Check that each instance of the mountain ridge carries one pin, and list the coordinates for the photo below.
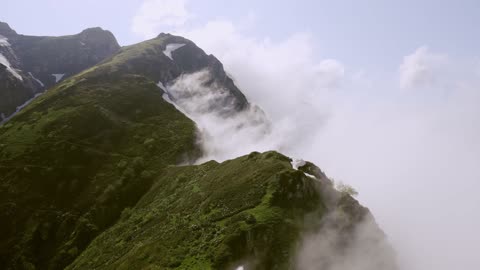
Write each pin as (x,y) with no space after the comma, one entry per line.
(98,169)
(35,63)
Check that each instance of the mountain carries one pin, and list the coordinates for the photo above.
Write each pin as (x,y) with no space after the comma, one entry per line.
(249,212)
(165,59)
(31,64)
(99,173)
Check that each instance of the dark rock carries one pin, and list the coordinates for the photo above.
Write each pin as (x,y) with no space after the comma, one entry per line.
(6,31)
(36,58)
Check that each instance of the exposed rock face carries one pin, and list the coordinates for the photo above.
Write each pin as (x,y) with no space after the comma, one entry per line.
(6,31)
(190,59)
(165,58)
(30,62)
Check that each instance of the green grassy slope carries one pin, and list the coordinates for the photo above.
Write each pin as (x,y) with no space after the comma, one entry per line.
(246,211)
(89,179)
(74,158)
(79,154)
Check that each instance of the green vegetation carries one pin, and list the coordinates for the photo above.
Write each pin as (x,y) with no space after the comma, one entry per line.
(346,189)
(76,157)
(212,216)
(89,179)
(343,188)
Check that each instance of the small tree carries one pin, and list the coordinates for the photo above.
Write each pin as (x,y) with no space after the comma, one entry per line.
(346,189)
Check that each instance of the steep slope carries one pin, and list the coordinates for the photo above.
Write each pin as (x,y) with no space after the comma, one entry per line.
(74,158)
(251,212)
(166,58)
(89,147)
(97,155)
(31,64)
(211,216)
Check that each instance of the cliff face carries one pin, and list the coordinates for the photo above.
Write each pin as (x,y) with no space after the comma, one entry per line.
(166,58)
(90,175)
(29,64)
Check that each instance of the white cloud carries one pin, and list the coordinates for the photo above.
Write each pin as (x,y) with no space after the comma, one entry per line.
(405,152)
(412,155)
(284,69)
(220,136)
(331,72)
(155,16)
(367,249)
(422,68)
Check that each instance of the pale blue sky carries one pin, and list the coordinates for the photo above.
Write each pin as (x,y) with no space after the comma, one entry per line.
(371,33)
(390,88)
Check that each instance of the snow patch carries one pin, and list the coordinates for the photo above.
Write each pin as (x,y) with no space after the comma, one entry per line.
(160,84)
(4,61)
(4,41)
(296,163)
(26,103)
(82,43)
(19,108)
(37,80)
(240,268)
(171,48)
(166,97)
(58,77)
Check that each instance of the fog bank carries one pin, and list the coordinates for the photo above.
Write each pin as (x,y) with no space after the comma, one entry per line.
(408,142)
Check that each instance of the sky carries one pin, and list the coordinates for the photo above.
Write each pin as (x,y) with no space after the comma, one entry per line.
(382,95)
(361,33)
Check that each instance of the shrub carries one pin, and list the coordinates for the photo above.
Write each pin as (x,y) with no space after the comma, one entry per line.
(346,189)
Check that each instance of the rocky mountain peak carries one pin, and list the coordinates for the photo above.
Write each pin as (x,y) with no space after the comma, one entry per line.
(169,58)
(35,63)
(98,34)
(93,30)
(6,30)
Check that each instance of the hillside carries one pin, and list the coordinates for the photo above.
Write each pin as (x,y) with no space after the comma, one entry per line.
(74,159)
(249,212)
(97,173)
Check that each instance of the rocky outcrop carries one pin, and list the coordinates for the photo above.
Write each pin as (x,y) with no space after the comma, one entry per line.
(6,31)
(190,59)
(31,64)
(166,58)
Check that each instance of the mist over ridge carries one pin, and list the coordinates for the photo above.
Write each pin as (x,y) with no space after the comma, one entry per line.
(310,135)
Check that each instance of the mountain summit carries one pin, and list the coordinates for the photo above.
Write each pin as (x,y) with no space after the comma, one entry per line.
(99,172)
(29,64)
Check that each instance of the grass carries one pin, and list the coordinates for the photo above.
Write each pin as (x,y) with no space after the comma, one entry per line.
(241,210)
(75,158)
(89,179)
